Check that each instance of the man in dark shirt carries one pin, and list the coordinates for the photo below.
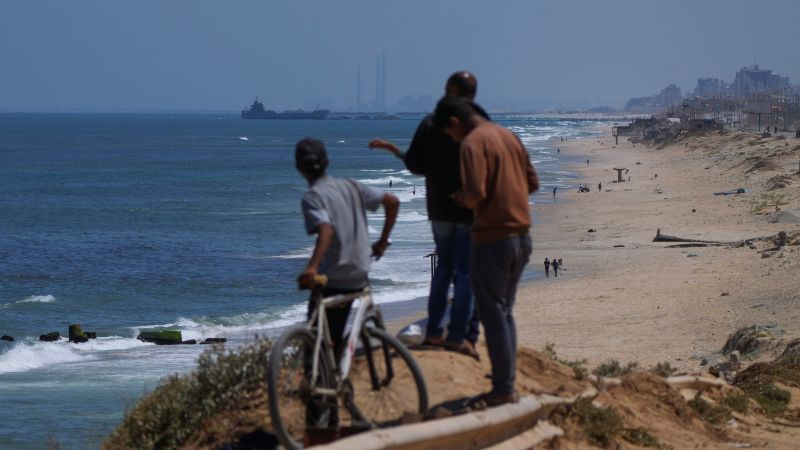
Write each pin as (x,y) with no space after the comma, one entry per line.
(435,155)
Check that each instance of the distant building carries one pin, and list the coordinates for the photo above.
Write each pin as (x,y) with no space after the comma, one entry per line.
(669,96)
(707,87)
(750,80)
(641,104)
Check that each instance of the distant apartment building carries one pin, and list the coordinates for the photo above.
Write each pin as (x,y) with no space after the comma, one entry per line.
(750,80)
(669,96)
(708,86)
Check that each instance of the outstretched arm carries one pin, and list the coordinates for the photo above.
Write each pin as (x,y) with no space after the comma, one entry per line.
(386,145)
(391,205)
(324,239)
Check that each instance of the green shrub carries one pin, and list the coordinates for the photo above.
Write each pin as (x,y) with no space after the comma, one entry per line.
(612,368)
(642,437)
(736,401)
(714,414)
(602,425)
(178,407)
(663,370)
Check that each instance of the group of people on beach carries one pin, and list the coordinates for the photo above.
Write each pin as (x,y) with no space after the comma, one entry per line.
(478,177)
(555,264)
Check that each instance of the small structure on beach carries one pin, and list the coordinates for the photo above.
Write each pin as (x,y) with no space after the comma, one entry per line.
(619,174)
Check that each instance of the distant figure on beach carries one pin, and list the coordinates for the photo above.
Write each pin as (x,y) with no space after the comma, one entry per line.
(435,155)
(600,186)
(554,192)
(558,150)
(498,178)
(414,190)
(776,130)
(546,268)
(555,267)
(390,183)
(587,162)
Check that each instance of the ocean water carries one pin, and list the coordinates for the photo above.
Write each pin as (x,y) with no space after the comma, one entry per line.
(122,222)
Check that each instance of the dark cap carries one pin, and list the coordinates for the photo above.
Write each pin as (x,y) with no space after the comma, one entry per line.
(310,155)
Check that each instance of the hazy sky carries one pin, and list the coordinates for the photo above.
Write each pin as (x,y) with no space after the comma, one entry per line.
(216,55)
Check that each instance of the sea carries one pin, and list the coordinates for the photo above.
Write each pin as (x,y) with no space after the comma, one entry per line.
(127,222)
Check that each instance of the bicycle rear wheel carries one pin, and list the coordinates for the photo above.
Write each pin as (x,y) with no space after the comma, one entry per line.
(386,381)
(291,405)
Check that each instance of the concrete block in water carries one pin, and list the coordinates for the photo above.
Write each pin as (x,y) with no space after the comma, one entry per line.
(216,340)
(161,337)
(50,337)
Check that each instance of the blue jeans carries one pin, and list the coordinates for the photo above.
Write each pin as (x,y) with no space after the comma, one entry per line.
(453,242)
(496,268)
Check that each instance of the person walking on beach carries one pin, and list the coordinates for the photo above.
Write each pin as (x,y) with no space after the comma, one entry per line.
(546,268)
(555,267)
(497,178)
(435,155)
(600,186)
(334,209)
(554,193)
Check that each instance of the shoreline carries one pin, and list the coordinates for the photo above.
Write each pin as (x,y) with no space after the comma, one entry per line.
(625,297)
(620,295)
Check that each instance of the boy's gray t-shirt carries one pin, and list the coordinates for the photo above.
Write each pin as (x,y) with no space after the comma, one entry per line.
(342,203)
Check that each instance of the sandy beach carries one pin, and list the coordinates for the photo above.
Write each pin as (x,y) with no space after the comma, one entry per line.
(619,294)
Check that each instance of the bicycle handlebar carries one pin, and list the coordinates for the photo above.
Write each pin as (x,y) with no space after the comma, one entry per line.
(319,281)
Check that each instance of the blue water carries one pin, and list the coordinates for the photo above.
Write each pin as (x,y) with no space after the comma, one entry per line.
(123,222)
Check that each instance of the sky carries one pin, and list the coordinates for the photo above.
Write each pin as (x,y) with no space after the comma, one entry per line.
(209,55)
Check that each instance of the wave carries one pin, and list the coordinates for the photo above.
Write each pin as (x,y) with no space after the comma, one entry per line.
(412,216)
(237,325)
(31,299)
(302,253)
(31,354)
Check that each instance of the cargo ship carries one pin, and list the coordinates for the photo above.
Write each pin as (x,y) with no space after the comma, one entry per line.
(257,111)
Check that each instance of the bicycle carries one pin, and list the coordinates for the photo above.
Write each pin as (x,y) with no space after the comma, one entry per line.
(377,388)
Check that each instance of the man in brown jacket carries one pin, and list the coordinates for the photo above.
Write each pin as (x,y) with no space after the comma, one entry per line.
(496,179)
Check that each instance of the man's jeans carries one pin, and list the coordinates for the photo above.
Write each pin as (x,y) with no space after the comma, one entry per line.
(452,248)
(496,268)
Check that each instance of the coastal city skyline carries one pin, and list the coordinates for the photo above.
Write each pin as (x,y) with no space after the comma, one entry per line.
(195,56)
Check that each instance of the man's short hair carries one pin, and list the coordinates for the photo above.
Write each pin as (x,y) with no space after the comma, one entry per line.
(451,106)
(465,83)
(310,156)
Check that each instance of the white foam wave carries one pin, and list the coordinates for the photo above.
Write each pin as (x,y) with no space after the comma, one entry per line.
(29,355)
(241,325)
(412,216)
(302,253)
(394,295)
(31,299)
(38,299)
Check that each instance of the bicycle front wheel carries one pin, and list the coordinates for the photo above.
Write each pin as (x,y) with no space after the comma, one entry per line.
(292,406)
(386,381)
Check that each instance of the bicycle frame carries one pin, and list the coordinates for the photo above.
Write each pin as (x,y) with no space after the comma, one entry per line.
(365,311)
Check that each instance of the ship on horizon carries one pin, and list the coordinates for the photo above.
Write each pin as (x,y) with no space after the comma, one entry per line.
(257,111)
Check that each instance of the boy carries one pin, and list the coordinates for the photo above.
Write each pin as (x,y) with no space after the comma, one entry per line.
(335,210)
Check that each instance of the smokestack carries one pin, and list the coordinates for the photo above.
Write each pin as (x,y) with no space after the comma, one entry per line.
(358,87)
(377,82)
(383,80)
